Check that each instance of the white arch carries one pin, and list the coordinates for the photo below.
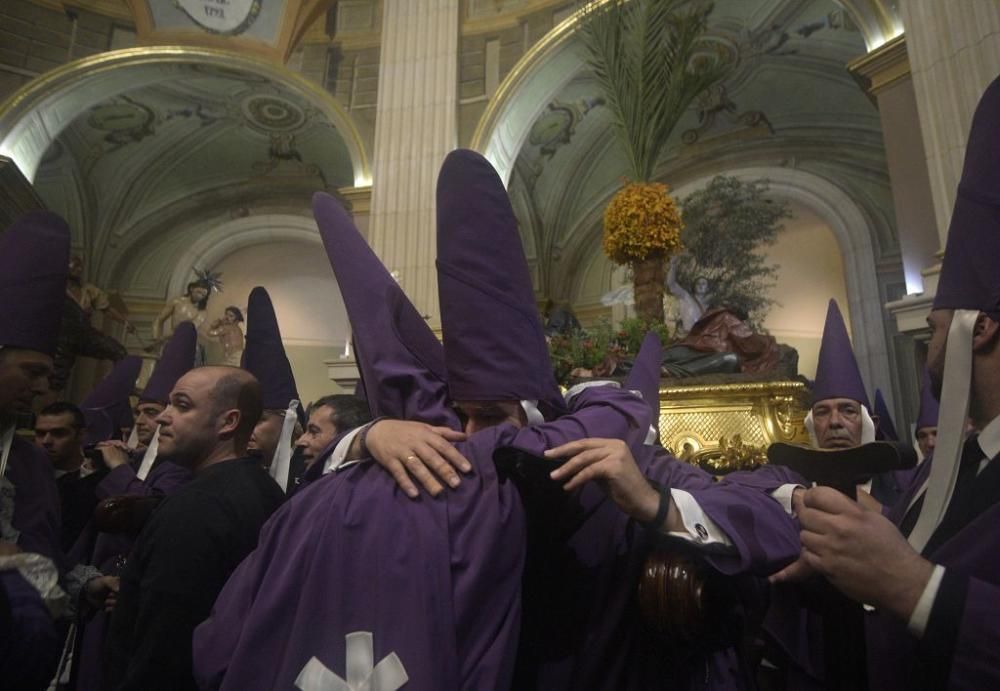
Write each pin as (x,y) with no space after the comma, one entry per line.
(854,236)
(225,238)
(33,117)
(556,59)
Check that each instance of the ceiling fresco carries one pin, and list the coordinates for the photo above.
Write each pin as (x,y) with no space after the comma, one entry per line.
(789,102)
(222,136)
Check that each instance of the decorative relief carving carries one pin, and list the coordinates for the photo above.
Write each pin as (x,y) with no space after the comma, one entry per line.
(729,427)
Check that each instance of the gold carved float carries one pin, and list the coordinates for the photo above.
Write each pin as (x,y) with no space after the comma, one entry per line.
(728,426)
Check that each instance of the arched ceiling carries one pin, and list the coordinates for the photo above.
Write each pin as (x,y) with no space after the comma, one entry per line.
(207,142)
(790,102)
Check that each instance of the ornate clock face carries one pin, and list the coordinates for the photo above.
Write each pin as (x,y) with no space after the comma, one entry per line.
(221,16)
(551,127)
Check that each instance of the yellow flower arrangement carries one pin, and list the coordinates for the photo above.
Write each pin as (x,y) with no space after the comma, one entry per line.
(642,221)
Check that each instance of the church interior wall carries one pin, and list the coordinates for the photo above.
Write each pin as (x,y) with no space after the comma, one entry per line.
(311,315)
(830,131)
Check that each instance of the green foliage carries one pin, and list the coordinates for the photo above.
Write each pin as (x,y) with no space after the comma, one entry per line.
(726,225)
(631,331)
(582,348)
(592,347)
(650,61)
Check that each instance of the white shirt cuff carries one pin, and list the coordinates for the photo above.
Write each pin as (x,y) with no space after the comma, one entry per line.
(336,458)
(922,612)
(577,389)
(783,495)
(698,526)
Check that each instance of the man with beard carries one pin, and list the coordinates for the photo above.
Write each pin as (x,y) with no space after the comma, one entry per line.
(198,535)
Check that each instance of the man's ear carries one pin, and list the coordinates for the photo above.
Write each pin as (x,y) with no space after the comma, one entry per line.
(985,334)
(229,422)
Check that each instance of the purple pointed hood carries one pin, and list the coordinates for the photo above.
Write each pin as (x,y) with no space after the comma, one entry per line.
(493,339)
(644,376)
(928,414)
(264,355)
(34,262)
(400,361)
(969,277)
(837,372)
(107,408)
(886,430)
(177,358)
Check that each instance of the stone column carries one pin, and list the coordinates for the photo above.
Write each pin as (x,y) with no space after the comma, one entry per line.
(885,75)
(954,51)
(415,128)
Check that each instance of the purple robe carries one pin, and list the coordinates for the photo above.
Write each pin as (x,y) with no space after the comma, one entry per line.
(960,648)
(105,551)
(583,629)
(36,501)
(436,581)
(29,643)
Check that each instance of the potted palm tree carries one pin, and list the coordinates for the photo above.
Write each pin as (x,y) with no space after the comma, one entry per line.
(650,61)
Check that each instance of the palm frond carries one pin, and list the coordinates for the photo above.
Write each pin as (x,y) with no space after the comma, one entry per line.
(650,60)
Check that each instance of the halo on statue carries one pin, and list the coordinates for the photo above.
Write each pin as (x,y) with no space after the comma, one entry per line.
(210,279)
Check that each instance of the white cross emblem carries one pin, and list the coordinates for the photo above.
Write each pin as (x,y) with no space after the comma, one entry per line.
(362,673)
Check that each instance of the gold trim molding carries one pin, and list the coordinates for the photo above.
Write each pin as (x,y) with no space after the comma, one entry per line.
(537,54)
(41,92)
(723,427)
(360,198)
(882,68)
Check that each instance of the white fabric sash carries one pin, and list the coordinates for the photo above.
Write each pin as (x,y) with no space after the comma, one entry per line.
(149,456)
(281,464)
(954,411)
(133,439)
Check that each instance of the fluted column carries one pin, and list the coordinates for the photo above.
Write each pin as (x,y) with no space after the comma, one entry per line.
(954,50)
(415,128)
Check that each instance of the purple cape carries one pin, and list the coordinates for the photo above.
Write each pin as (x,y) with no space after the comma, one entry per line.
(36,501)
(971,559)
(105,551)
(583,629)
(436,581)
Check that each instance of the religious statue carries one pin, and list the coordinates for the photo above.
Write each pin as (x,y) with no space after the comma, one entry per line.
(230,336)
(692,307)
(77,335)
(189,307)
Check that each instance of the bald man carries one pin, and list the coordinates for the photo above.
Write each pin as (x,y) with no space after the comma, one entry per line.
(197,536)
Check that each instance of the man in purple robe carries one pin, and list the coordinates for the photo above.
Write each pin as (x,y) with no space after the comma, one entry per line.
(34,255)
(931,569)
(354,580)
(280,424)
(588,540)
